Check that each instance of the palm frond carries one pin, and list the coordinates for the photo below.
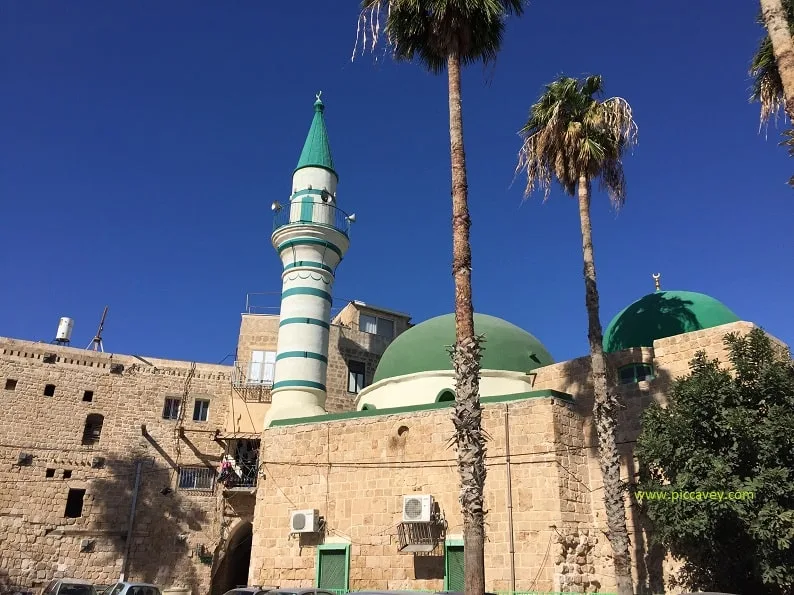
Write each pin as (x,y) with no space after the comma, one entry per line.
(569,133)
(432,30)
(767,86)
(789,143)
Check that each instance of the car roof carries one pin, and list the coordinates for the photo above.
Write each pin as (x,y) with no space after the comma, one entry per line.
(75,581)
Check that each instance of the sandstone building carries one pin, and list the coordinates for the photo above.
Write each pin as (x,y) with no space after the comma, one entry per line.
(320,457)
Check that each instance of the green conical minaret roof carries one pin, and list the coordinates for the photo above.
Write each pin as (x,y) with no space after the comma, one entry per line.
(316,150)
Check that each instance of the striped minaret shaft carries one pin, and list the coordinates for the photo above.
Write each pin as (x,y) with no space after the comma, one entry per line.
(311,238)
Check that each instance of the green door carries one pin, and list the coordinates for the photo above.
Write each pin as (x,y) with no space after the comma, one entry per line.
(307,209)
(454,578)
(332,570)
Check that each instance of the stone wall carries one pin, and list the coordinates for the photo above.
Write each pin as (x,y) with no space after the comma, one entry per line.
(355,472)
(345,343)
(37,540)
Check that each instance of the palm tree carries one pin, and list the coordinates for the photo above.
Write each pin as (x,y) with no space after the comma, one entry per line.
(572,136)
(775,16)
(450,34)
(767,84)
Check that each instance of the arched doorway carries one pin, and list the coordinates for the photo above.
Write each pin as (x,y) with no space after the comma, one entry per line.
(232,568)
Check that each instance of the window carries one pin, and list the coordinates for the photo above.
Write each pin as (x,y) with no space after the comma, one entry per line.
(49,473)
(454,566)
(67,473)
(634,373)
(262,367)
(196,478)
(171,408)
(355,376)
(200,410)
(92,429)
(88,396)
(49,390)
(375,325)
(11,384)
(333,566)
(445,396)
(74,504)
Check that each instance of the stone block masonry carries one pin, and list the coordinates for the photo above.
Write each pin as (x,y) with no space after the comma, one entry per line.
(66,491)
(356,471)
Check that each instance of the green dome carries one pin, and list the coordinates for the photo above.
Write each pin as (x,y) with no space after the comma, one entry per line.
(664,314)
(423,348)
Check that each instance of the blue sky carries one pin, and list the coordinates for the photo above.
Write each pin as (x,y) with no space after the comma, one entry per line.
(143,142)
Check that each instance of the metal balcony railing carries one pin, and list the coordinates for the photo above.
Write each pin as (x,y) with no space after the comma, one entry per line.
(318,213)
(241,474)
(253,381)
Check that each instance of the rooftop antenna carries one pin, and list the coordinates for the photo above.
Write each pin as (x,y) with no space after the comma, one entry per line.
(96,342)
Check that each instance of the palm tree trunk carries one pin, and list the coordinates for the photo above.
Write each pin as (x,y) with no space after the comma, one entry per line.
(777,26)
(467,416)
(605,407)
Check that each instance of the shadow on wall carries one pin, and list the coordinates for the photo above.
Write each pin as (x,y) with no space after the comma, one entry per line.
(655,315)
(161,536)
(633,400)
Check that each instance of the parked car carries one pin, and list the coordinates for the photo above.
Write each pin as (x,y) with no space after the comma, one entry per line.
(302,591)
(250,590)
(69,586)
(133,589)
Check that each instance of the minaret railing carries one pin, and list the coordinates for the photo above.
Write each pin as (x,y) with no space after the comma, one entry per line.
(313,213)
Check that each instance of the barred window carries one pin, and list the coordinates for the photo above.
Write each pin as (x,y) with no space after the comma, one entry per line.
(196,478)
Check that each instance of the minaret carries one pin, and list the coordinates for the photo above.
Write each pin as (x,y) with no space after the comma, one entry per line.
(311,237)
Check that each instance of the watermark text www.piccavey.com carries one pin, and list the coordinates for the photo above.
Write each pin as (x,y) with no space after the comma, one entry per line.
(686,496)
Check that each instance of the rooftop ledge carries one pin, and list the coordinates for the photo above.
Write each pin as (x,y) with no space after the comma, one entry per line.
(535,394)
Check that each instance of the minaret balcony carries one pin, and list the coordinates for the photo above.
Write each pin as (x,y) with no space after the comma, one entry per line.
(318,213)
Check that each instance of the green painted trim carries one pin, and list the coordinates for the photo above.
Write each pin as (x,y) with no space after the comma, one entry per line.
(308,242)
(332,547)
(450,543)
(297,384)
(635,366)
(307,211)
(309,263)
(443,392)
(316,321)
(307,192)
(308,291)
(304,354)
(535,394)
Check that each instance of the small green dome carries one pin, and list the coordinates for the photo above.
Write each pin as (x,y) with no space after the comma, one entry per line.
(664,314)
(423,348)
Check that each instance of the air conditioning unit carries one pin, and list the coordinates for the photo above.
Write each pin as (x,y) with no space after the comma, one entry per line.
(417,508)
(304,521)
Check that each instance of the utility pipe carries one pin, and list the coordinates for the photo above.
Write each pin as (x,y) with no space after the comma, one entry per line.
(128,544)
(510,502)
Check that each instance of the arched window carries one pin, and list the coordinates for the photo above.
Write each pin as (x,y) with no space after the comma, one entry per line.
(445,396)
(634,373)
(93,428)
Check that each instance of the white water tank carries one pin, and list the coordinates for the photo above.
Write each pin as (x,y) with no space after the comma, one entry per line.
(65,326)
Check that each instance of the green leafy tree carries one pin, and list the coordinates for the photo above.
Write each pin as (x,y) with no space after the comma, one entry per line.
(726,431)
(577,139)
(447,35)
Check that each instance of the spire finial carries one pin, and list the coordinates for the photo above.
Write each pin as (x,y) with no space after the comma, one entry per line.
(318,96)
(318,105)
(656,277)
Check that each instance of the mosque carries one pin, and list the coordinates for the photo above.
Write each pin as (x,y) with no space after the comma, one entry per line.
(322,456)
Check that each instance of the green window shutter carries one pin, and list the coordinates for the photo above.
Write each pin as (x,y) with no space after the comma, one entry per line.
(332,571)
(455,562)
